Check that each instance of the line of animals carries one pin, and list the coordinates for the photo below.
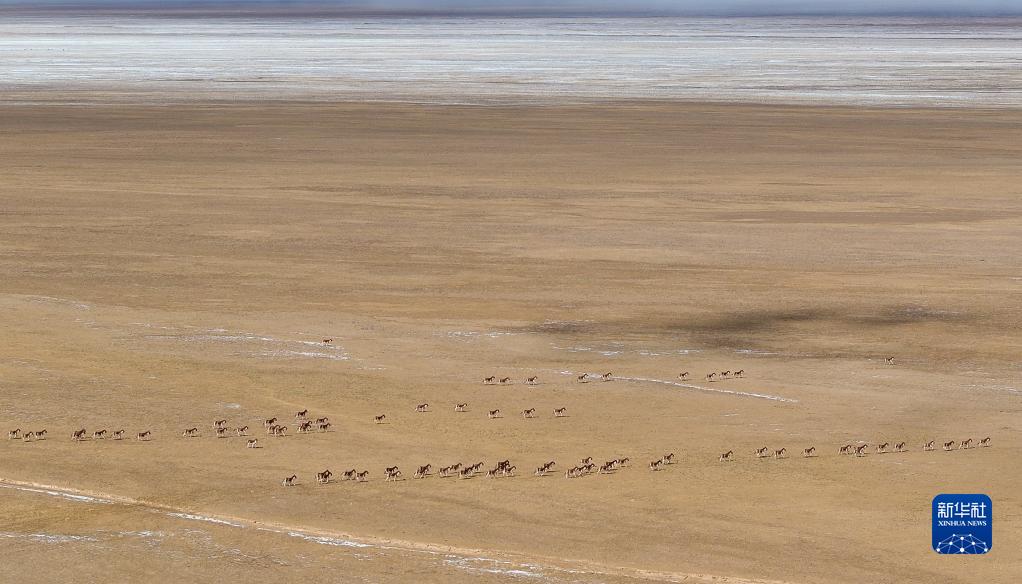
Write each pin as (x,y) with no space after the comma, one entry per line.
(587,465)
(77,435)
(491,414)
(684,375)
(860,449)
(220,428)
(609,376)
(305,425)
(503,468)
(492,380)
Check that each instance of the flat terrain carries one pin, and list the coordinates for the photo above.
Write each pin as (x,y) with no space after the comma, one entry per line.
(165,266)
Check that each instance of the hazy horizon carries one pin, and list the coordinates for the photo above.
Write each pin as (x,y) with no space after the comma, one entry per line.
(566,7)
(487,60)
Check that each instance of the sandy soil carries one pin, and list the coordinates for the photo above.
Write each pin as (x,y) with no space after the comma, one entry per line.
(167,266)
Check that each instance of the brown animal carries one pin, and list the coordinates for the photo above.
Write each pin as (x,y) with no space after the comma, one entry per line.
(727,456)
(529,413)
(505,380)
(328,341)
(349,475)
(668,458)
(582,378)
(761,452)
(985,442)
(362,476)
(300,415)
(889,360)
(253,443)
(861,450)
(607,376)
(78,435)
(323,427)
(220,423)
(899,447)
(710,376)
(460,407)
(422,472)
(740,373)
(119,435)
(242,431)
(269,422)
(560,412)
(532,380)
(808,452)
(683,375)
(99,434)
(221,432)
(928,446)
(304,427)
(280,431)
(490,379)
(190,432)
(656,464)
(380,418)
(542,470)
(965,444)
(882,448)
(494,414)
(289,481)
(780,453)
(144,435)
(322,420)
(949,445)
(422,408)
(846,449)
(324,477)
(14,434)
(393,475)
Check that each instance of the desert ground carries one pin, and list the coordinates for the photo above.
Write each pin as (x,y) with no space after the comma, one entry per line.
(165,266)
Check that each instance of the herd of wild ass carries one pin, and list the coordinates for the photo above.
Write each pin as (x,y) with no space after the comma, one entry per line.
(304,424)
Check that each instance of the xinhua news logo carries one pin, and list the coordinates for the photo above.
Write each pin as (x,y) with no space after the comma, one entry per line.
(962,524)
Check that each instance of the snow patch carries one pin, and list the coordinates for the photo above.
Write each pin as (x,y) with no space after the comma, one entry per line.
(204,518)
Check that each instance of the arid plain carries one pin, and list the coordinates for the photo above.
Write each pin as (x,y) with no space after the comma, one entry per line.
(165,266)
